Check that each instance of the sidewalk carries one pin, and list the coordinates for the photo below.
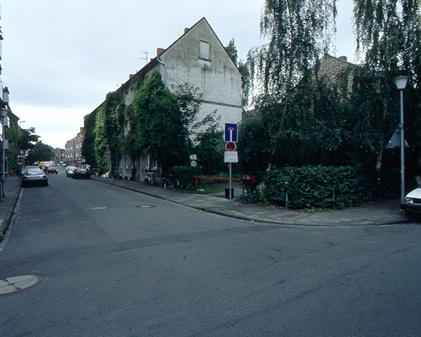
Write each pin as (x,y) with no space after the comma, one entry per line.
(8,202)
(376,213)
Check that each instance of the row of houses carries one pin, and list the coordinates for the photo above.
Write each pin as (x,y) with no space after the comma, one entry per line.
(197,58)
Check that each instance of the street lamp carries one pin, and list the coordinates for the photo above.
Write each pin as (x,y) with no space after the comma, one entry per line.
(3,114)
(401,82)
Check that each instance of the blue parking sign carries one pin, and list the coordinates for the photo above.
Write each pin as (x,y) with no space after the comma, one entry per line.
(231,134)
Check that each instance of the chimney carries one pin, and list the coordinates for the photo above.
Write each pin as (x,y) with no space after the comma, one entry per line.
(186,30)
(343,58)
(159,51)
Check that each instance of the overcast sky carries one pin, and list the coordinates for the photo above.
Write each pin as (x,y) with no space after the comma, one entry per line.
(60,58)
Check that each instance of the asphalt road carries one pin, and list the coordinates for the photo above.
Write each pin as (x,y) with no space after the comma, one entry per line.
(113,262)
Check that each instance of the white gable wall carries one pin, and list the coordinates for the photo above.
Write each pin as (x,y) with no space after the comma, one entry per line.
(214,73)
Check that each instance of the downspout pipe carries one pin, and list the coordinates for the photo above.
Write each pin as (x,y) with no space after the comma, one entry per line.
(165,71)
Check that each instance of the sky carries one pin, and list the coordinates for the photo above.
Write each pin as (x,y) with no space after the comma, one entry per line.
(60,58)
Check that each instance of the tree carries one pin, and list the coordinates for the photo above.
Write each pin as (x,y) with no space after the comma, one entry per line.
(388,33)
(40,152)
(27,139)
(231,49)
(253,149)
(299,32)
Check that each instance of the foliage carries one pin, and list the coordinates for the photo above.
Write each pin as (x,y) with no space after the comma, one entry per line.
(231,49)
(210,151)
(40,152)
(310,119)
(389,34)
(27,139)
(100,144)
(310,126)
(157,124)
(12,135)
(298,32)
(88,143)
(185,176)
(113,115)
(315,187)
(253,149)
(189,100)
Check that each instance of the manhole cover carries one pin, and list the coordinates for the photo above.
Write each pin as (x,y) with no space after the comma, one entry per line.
(145,206)
(20,283)
(100,207)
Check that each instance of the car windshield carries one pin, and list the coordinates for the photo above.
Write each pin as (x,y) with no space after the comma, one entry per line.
(34,172)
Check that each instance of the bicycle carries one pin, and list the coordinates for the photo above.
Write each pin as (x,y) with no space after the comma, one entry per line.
(151,179)
(170,183)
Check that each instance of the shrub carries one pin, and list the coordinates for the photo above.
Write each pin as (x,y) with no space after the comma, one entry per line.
(185,175)
(315,187)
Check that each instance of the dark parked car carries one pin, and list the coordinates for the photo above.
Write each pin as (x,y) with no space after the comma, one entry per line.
(81,172)
(34,177)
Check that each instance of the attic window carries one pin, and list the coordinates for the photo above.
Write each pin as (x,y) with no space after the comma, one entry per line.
(204,50)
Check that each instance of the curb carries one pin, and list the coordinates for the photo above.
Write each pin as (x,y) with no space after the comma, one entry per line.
(10,212)
(256,219)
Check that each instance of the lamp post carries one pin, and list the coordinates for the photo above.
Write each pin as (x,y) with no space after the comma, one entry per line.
(3,113)
(401,82)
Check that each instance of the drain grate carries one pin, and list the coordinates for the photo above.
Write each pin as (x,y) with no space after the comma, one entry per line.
(20,283)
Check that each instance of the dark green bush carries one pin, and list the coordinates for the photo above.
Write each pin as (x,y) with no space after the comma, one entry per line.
(315,187)
(185,175)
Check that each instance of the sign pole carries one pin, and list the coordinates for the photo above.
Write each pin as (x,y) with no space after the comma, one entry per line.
(230,182)
(231,156)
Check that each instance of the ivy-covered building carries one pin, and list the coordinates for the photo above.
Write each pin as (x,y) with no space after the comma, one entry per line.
(197,59)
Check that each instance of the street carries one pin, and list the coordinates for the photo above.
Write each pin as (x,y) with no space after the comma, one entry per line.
(119,263)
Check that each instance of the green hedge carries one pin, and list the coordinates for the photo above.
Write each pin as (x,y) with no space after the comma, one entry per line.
(315,187)
(185,175)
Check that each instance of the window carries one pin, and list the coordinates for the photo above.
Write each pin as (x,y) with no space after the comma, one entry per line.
(204,50)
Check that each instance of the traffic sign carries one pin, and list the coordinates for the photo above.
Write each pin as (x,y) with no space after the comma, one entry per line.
(230,157)
(231,146)
(231,132)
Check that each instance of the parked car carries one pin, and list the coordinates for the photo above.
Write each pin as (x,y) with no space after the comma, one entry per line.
(33,177)
(51,169)
(81,172)
(69,171)
(412,203)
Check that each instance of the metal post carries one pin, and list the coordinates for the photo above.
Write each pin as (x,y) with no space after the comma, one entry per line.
(3,158)
(401,82)
(402,149)
(230,183)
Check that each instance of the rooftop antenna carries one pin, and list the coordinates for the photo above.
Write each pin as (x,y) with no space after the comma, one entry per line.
(144,57)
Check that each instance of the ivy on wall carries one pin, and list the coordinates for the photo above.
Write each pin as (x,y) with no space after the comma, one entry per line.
(160,123)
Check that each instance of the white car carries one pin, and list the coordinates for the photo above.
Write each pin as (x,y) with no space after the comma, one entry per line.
(34,176)
(412,203)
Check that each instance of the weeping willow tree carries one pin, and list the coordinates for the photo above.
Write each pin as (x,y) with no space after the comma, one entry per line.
(388,36)
(299,32)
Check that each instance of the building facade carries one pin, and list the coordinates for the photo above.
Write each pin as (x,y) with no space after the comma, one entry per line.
(73,150)
(197,58)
